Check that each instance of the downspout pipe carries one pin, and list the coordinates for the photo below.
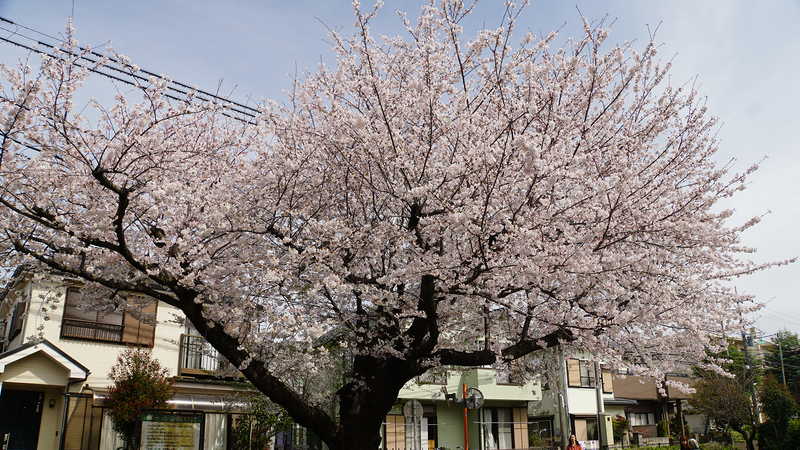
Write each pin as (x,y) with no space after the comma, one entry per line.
(62,438)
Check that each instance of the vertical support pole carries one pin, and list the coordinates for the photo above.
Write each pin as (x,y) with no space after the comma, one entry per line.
(466,433)
(598,381)
(601,407)
(414,443)
(250,441)
(750,374)
(780,352)
(563,402)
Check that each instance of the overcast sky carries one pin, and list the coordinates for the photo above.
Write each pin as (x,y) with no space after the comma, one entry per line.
(744,56)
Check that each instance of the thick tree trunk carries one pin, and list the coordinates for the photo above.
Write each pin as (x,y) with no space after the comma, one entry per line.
(748,437)
(366,401)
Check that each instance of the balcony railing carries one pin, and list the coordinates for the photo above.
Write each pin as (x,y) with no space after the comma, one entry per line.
(96,331)
(197,357)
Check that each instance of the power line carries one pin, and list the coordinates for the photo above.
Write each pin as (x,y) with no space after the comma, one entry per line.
(783,314)
(782,319)
(122,72)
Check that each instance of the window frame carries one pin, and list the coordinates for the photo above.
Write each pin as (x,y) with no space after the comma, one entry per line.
(126,330)
(580,373)
(17,320)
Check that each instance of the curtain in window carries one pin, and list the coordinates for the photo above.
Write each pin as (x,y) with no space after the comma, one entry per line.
(136,332)
(419,431)
(109,439)
(395,432)
(498,432)
(215,436)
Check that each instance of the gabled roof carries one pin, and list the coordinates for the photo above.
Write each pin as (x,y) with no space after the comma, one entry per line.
(76,370)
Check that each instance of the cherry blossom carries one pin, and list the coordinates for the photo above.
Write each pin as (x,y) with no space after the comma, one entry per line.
(430,200)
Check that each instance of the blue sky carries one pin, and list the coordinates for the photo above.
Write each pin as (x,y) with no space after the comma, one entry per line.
(744,55)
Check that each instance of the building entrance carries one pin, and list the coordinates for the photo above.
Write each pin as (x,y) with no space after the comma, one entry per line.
(20,417)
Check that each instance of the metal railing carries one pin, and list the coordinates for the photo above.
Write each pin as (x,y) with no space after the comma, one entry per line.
(84,329)
(197,357)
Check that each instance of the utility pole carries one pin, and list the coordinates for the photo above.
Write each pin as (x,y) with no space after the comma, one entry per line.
(780,352)
(563,413)
(750,373)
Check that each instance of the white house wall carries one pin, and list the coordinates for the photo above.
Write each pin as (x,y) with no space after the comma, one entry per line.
(101,356)
(582,401)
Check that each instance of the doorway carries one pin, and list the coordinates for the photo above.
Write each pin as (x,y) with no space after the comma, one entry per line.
(20,417)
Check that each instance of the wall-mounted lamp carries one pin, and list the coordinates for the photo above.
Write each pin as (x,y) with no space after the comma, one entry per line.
(52,403)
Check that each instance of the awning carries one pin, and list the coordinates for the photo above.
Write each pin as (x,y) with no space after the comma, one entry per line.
(620,402)
(184,402)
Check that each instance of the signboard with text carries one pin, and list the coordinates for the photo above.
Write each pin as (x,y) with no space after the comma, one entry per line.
(171,430)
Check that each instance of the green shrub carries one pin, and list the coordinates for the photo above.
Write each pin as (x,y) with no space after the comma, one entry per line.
(736,436)
(794,430)
(661,428)
(139,382)
(674,428)
(717,446)
(620,425)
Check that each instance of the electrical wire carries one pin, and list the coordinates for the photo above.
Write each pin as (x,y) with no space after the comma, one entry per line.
(122,72)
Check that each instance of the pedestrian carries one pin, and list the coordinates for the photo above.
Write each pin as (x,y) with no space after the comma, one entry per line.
(693,444)
(573,443)
(684,441)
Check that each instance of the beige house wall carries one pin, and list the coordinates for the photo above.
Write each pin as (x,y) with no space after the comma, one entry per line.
(36,369)
(99,356)
(635,387)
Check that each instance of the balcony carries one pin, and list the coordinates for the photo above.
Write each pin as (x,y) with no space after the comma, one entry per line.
(96,331)
(198,359)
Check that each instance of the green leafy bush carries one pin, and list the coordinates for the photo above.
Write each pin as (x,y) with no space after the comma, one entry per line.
(620,426)
(661,428)
(717,446)
(139,382)
(256,429)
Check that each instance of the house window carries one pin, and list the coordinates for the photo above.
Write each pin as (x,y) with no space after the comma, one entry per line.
(16,320)
(608,382)
(580,373)
(400,434)
(585,429)
(115,326)
(539,433)
(637,419)
(394,433)
(505,428)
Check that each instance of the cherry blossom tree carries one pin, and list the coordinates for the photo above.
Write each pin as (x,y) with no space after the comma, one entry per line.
(427,201)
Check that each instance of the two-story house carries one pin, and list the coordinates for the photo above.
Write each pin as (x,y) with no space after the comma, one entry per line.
(512,415)
(426,417)
(55,358)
